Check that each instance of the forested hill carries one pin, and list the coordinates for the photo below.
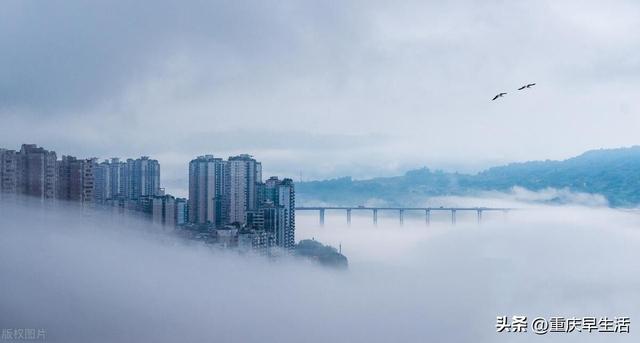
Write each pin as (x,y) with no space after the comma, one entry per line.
(613,173)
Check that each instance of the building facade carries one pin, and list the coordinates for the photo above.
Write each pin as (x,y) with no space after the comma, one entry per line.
(8,173)
(102,179)
(244,175)
(164,210)
(36,172)
(208,177)
(75,179)
(144,177)
(276,211)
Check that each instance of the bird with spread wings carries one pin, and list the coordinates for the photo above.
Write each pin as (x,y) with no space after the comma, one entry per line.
(498,96)
(529,85)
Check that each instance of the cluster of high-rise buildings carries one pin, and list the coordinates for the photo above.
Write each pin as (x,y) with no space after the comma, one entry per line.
(228,202)
(230,194)
(33,171)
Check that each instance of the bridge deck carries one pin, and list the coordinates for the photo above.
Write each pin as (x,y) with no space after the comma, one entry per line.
(318,208)
(401,211)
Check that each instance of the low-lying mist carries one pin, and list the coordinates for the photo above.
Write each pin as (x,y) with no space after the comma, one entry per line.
(85,276)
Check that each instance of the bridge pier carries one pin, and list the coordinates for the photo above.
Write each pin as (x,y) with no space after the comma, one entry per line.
(427,217)
(401,212)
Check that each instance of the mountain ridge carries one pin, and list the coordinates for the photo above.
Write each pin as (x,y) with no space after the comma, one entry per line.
(612,173)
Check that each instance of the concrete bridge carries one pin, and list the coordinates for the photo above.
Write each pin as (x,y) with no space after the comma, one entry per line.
(401,211)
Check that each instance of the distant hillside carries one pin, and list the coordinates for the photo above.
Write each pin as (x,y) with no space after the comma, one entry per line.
(613,173)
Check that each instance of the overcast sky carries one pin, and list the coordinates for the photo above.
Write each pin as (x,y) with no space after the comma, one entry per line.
(320,88)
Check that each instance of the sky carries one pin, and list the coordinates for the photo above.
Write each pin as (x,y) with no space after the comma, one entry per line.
(320,89)
(84,276)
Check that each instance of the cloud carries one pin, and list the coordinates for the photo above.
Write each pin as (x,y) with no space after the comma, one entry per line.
(84,277)
(78,53)
(558,196)
(523,197)
(154,77)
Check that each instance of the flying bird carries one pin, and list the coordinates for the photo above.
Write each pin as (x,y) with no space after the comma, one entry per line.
(529,85)
(499,95)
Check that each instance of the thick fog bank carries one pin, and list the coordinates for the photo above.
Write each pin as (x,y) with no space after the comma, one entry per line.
(84,277)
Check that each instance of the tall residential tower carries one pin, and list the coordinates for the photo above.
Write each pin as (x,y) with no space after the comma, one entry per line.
(36,172)
(207,189)
(244,174)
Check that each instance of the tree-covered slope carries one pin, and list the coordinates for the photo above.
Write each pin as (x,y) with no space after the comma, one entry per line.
(613,173)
